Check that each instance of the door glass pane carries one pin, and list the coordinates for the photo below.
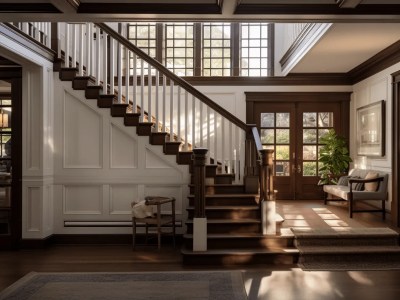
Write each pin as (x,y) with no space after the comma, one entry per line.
(309,152)
(282,136)
(267,136)
(282,152)
(282,168)
(282,119)
(322,132)
(309,168)
(309,136)
(325,119)
(267,119)
(309,119)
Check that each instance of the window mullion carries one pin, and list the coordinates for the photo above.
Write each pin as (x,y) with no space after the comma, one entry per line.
(235,49)
(197,49)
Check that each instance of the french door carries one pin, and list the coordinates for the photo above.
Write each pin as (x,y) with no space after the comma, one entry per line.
(293,129)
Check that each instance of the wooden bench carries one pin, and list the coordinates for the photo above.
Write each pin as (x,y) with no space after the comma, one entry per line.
(350,194)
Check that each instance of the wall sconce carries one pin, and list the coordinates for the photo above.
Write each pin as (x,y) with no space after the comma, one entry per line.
(3,120)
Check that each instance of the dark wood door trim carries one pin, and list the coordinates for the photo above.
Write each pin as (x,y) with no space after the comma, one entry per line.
(395,208)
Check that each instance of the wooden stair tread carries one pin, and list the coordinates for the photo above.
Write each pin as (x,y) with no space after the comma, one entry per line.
(249,235)
(221,185)
(228,195)
(349,249)
(228,207)
(228,221)
(233,251)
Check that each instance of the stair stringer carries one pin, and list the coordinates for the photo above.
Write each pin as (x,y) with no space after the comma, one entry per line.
(104,193)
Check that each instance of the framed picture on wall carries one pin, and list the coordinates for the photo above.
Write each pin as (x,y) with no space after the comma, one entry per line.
(371,129)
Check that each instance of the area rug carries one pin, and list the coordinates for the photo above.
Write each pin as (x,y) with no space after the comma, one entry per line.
(347,250)
(139,285)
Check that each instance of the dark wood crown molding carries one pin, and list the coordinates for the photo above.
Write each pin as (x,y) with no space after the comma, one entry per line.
(382,60)
(28,8)
(151,8)
(298,96)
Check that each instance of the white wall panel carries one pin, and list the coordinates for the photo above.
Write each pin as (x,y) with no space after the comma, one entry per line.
(121,197)
(153,161)
(34,209)
(124,149)
(83,142)
(83,200)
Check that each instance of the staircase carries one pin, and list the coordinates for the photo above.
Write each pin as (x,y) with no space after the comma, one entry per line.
(99,61)
(234,228)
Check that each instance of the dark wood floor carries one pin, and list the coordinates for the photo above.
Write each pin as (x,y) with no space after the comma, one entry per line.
(261,282)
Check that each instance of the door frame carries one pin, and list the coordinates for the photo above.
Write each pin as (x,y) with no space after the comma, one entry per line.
(13,74)
(395,207)
(340,98)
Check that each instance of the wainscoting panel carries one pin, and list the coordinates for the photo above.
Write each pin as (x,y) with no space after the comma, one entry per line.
(123,149)
(83,200)
(82,135)
(121,197)
(153,161)
(34,214)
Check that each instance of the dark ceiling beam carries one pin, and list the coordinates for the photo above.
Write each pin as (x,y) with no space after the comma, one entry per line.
(317,9)
(348,3)
(151,8)
(28,8)
(66,6)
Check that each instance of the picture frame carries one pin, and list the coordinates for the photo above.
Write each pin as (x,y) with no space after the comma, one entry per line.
(371,129)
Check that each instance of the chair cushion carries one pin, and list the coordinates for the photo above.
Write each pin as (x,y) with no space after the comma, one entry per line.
(141,210)
(343,180)
(371,186)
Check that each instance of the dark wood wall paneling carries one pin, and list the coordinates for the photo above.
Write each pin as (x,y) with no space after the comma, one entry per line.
(395,209)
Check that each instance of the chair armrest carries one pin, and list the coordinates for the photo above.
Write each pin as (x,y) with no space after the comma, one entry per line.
(354,180)
(150,200)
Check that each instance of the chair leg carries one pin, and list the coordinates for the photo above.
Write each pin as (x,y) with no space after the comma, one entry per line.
(133,233)
(147,232)
(325,198)
(351,208)
(383,210)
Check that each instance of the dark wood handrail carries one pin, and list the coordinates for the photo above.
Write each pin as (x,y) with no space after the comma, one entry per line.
(181,82)
(257,139)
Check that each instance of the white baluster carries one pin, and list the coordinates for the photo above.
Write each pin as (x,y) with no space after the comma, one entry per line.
(215,137)
(201,125)
(178,131)
(141,90)
(208,134)
(25,27)
(88,49)
(127,75)
(230,149)
(73,55)
(58,40)
(149,85)
(48,35)
(112,64)
(119,71)
(105,62)
(157,120)
(223,144)
(186,128)
(171,112)
(164,128)
(134,89)
(193,122)
(80,49)
(98,56)
(66,50)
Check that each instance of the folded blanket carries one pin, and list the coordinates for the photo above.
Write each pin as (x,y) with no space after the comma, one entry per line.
(141,210)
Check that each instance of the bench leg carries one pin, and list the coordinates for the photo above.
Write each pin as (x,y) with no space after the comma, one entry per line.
(325,198)
(383,210)
(133,233)
(351,207)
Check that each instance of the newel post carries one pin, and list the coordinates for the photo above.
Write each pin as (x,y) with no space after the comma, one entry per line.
(199,220)
(267,192)
(251,165)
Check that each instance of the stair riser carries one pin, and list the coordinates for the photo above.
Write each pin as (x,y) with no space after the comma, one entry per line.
(227,179)
(226,201)
(157,139)
(171,148)
(92,92)
(228,228)
(118,111)
(243,243)
(131,120)
(184,158)
(217,190)
(68,75)
(143,130)
(367,241)
(229,214)
(80,83)
(349,258)
(240,260)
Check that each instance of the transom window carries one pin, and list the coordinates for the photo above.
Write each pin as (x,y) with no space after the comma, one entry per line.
(179,48)
(254,49)
(144,35)
(216,49)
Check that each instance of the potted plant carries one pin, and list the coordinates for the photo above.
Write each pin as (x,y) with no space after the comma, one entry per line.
(334,158)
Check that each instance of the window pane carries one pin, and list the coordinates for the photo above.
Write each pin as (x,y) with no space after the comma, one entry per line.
(325,119)
(282,136)
(309,136)
(322,132)
(309,168)
(282,168)
(267,136)
(267,119)
(309,119)
(282,152)
(309,152)
(282,120)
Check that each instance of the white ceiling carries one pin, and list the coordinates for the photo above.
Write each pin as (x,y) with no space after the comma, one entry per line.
(345,46)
